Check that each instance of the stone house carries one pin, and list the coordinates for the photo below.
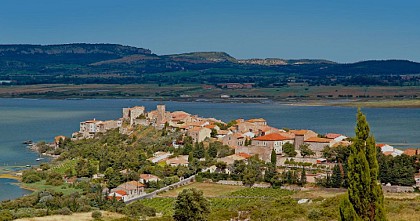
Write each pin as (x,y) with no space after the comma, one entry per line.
(199,134)
(302,135)
(317,144)
(271,141)
(133,113)
(128,190)
(234,140)
(229,160)
(145,178)
(181,160)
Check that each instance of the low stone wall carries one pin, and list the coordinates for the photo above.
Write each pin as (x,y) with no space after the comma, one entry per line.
(166,188)
(230,182)
(262,185)
(398,189)
(240,183)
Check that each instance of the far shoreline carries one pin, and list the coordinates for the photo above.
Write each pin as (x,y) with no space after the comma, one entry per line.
(405,103)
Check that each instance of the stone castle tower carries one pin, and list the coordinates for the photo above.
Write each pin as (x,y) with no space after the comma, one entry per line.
(161,110)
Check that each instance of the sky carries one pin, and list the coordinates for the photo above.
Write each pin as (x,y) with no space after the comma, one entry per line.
(338,30)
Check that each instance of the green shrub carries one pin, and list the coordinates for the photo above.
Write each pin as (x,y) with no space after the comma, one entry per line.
(96,214)
(64,211)
(314,214)
(6,215)
(33,178)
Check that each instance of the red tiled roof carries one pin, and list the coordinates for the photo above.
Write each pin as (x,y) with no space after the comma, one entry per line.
(387,153)
(411,152)
(256,120)
(272,137)
(148,176)
(121,192)
(332,135)
(211,126)
(244,155)
(299,132)
(318,140)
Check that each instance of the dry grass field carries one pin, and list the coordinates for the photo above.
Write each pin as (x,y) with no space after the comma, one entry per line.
(106,216)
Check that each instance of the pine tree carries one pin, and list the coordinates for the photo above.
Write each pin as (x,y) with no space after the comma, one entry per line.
(365,196)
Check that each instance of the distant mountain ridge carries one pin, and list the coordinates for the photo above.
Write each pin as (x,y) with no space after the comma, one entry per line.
(22,62)
(76,48)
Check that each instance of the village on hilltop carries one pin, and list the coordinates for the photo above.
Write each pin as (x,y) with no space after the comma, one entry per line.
(252,137)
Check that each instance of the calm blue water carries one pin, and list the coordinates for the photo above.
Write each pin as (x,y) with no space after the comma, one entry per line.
(9,190)
(30,119)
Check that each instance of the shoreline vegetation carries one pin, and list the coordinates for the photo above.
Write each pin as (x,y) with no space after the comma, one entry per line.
(299,95)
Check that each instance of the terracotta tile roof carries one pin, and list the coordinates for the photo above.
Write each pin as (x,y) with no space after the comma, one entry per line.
(195,129)
(211,126)
(411,152)
(298,132)
(267,128)
(318,140)
(380,145)
(179,160)
(272,137)
(91,121)
(238,135)
(148,176)
(332,135)
(255,120)
(388,153)
(222,132)
(134,184)
(179,115)
(244,155)
(121,192)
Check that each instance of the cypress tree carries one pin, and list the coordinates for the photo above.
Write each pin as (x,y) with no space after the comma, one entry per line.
(336,178)
(365,197)
(273,157)
(303,177)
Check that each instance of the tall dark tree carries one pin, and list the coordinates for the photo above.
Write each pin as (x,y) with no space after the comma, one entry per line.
(302,180)
(336,178)
(365,196)
(212,151)
(273,157)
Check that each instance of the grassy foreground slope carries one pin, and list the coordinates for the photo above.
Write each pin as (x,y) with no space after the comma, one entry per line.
(277,204)
(106,216)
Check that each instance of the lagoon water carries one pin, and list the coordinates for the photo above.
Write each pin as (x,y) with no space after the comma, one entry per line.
(37,120)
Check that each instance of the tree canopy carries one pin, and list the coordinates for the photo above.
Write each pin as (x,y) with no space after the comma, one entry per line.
(191,205)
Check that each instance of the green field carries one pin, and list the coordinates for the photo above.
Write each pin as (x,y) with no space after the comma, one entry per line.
(301,94)
(38,186)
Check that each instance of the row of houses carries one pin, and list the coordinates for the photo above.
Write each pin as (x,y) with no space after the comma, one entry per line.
(131,189)
(251,136)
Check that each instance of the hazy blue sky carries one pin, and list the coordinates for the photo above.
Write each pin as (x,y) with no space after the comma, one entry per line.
(338,30)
